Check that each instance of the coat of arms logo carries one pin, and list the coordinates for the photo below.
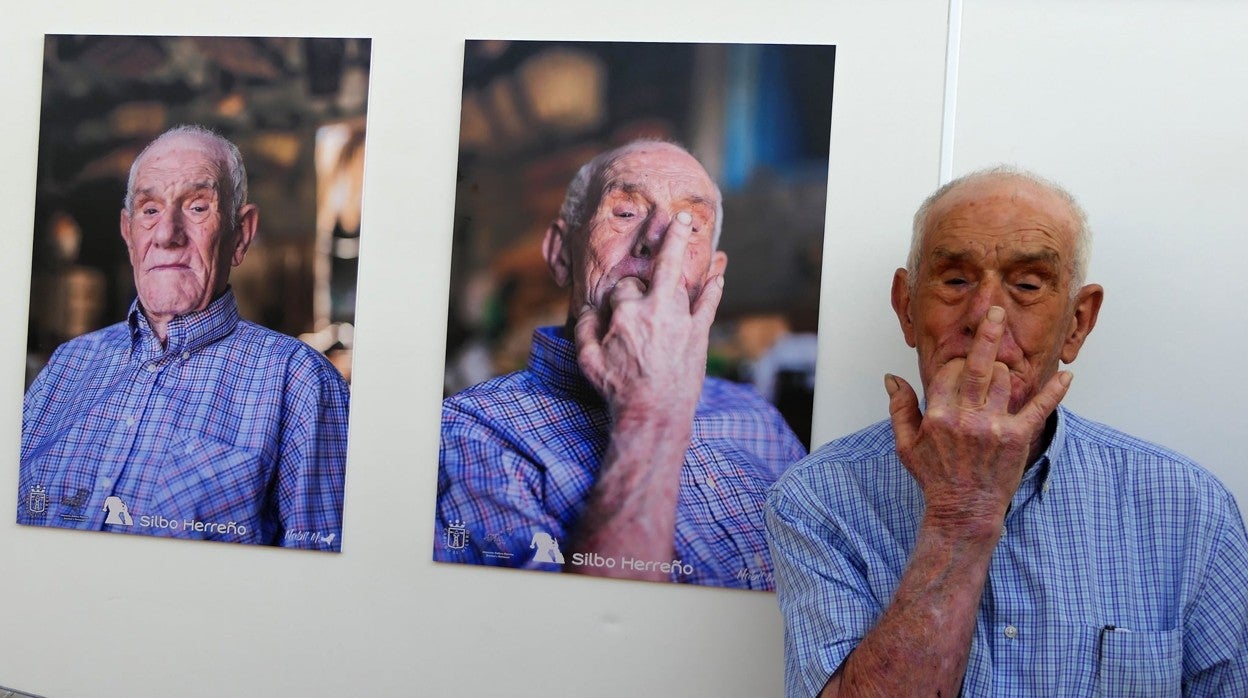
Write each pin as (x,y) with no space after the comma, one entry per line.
(456,535)
(37,500)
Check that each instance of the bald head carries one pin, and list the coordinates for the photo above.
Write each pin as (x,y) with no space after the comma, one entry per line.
(1024,184)
(586,187)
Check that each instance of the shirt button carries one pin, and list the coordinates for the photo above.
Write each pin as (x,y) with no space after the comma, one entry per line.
(151,368)
(1011,632)
(129,421)
(1045,488)
(1004,530)
(186,355)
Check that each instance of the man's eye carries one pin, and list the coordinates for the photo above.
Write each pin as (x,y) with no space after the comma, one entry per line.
(149,211)
(955,281)
(624,214)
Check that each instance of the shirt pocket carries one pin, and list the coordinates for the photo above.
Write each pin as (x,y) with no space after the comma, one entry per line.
(212,481)
(1148,664)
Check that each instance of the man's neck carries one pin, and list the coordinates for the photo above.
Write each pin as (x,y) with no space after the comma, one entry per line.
(159,322)
(159,325)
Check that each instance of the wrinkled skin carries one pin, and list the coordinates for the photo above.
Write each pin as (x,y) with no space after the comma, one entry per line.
(179,239)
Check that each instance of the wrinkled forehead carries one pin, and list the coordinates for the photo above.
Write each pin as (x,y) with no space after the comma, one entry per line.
(660,165)
(1003,211)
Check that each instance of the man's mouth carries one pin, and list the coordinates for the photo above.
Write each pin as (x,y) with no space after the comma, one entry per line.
(643,282)
(608,285)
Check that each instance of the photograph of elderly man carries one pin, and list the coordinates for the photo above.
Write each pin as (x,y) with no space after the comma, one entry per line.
(185,419)
(637,432)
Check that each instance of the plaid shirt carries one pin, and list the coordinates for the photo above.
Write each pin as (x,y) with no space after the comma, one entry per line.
(229,432)
(521,452)
(1123,568)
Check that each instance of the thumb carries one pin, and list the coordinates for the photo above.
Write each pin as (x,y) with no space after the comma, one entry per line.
(589,351)
(1038,409)
(903,410)
(708,301)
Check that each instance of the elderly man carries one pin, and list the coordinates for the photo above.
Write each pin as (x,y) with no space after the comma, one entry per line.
(185,420)
(612,453)
(996,543)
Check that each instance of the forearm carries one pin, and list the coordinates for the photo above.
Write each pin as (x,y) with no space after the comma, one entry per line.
(631,510)
(921,642)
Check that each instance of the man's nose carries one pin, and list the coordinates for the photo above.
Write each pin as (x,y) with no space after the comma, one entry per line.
(988,292)
(651,234)
(170,230)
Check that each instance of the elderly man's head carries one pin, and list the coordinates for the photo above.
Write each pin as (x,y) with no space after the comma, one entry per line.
(615,217)
(999,237)
(186,221)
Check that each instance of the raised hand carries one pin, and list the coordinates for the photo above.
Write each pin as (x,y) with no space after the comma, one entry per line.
(651,354)
(649,363)
(968,453)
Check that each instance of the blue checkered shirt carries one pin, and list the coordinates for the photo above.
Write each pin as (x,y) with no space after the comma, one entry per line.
(520,454)
(230,432)
(1122,571)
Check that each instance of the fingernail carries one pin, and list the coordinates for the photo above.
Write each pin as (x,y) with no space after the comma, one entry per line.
(1065,377)
(996,314)
(890,384)
(720,280)
(684,218)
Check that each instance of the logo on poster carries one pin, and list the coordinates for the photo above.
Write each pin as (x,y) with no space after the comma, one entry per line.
(305,536)
(118,513)
(495,538)
(547,548)
(37,500)
(75,507)
(456,535)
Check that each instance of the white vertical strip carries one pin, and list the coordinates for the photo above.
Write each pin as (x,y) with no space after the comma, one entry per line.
(952,49)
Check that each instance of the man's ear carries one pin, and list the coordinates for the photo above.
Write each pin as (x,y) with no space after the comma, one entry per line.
(901,304)
(555,251)
(125,227)
(1087,307)
(244,232)
(719,262)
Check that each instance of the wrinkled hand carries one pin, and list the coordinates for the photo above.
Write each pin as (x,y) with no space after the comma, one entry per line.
(650,358)
(968,453)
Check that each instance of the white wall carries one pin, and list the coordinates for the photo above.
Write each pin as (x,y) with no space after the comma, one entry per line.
(94,615)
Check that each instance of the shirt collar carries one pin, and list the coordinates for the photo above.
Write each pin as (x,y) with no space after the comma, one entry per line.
(184,333)
(1053,456)
(552,358)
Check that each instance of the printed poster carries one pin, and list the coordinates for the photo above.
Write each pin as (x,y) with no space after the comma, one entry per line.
(551,457)
(196,236)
